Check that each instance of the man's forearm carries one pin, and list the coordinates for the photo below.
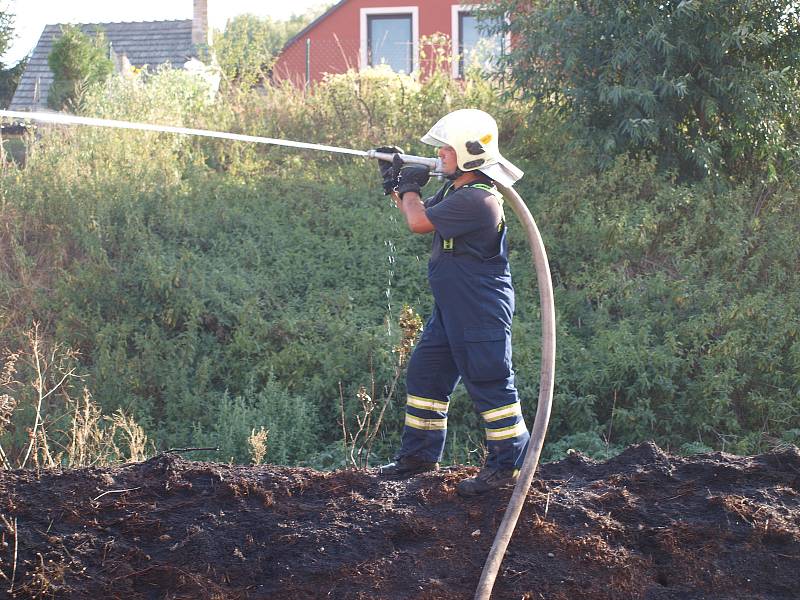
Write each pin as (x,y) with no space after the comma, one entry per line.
(414,211)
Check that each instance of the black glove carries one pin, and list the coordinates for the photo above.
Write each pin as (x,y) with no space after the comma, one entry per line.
(412,179)
(388,172)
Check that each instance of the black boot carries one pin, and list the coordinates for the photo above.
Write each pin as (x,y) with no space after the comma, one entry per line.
(488,479)
(406,466)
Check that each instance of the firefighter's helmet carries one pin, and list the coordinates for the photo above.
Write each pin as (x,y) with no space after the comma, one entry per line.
(472,133)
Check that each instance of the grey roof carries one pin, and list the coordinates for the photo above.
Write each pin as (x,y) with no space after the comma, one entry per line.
(150,43)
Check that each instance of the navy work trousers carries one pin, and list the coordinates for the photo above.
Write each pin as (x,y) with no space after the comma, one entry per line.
(468,338)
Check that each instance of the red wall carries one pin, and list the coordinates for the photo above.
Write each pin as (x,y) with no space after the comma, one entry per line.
(335,40)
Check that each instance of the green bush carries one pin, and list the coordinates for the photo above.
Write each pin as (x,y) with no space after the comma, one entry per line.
(677,308)
(292,423)
(247,49)
(216,287)
(9,78)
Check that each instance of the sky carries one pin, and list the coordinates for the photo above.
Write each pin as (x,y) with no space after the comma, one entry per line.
(32,15)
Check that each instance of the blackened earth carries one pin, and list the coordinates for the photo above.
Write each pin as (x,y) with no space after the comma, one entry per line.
(645,524)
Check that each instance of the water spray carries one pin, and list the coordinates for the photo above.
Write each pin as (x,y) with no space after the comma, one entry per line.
(434,165)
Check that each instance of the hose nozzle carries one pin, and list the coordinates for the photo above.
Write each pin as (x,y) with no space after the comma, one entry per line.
(434,165)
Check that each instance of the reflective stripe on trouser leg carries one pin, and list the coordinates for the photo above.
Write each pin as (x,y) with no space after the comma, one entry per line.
(498,405)
(502,412)
(432,376)
(506,433)
(425,428)
(507,442)
(426,420)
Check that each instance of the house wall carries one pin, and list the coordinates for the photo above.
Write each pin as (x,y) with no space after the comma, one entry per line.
(336,40)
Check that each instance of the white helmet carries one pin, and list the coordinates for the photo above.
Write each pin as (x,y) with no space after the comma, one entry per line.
(472,133)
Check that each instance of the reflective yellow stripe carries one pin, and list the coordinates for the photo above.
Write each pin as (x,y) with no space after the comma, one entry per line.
(506,432)
(496,414)
(426,403)
(425,424)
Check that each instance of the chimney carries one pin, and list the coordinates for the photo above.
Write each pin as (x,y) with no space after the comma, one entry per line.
(200,32)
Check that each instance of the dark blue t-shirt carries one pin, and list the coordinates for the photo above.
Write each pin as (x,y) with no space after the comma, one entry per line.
(471,217)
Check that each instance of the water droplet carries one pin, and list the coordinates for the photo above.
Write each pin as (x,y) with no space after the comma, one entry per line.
(391,260)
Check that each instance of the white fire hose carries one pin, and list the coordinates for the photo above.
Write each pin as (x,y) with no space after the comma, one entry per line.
(503,536)
(547,306)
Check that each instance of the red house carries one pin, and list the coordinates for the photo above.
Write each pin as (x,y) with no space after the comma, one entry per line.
(367,33)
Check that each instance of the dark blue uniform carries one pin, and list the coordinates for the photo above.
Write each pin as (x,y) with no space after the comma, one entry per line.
(468,335)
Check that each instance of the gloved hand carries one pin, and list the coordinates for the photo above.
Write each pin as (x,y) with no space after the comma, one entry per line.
(387,170)
(412,179)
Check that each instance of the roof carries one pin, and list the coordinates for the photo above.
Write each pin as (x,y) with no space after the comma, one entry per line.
(313,24)
(150,43)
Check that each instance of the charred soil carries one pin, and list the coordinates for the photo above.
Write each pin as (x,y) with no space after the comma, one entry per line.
(642,525)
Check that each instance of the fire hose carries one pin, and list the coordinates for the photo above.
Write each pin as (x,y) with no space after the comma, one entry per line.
(547,307)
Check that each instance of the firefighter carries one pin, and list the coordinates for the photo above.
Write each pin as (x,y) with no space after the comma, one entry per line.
(468,335)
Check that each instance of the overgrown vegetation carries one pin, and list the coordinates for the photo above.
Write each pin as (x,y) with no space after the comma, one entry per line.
(247,297)
(43,421)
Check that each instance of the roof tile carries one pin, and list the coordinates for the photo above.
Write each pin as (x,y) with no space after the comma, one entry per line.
(150,43)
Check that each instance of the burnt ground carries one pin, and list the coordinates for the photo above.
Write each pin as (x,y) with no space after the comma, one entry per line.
(642,525)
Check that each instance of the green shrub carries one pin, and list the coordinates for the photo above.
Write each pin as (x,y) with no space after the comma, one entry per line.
(291,421)
(216,287)
(589,443)
(677,308)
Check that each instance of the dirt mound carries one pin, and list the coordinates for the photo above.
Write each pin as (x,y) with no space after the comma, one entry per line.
(642,525)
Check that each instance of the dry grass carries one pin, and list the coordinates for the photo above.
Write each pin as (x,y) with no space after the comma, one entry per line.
(37,385)
(359,439)
(257,442)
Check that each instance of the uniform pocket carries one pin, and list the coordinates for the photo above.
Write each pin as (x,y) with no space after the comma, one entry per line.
(488,353)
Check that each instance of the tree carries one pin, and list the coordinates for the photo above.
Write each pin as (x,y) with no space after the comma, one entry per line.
(248,47)
(9,79)
(77,60)
(6,32)
(707,86)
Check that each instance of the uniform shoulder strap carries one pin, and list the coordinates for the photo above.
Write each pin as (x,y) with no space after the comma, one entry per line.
(488,188)
(497,195)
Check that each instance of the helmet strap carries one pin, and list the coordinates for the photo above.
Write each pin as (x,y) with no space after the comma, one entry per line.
(458,173)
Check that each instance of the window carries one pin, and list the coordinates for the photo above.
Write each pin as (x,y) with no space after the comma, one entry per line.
(390,42)
(390,36)
(471,45)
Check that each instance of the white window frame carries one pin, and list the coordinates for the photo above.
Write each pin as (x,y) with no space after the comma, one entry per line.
(392,10)
(455,33)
